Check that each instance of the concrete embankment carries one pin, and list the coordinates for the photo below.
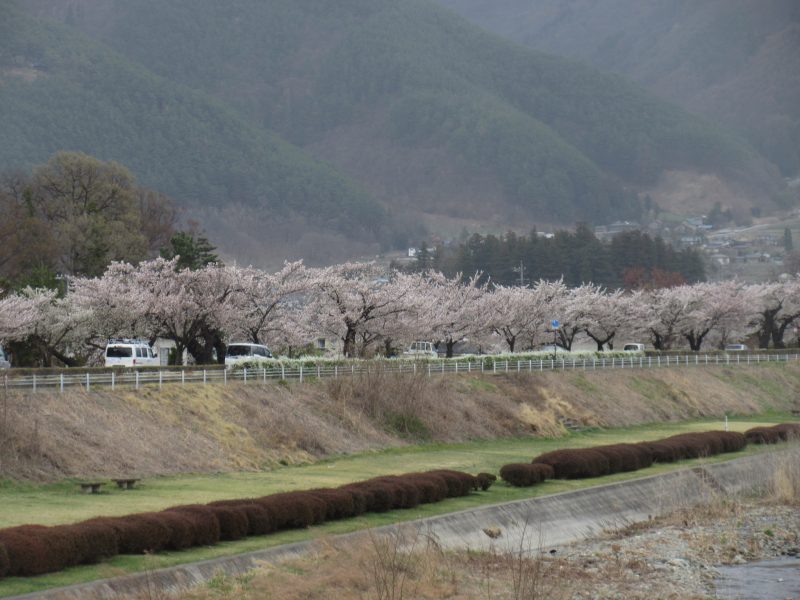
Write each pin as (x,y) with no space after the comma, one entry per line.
(534,525)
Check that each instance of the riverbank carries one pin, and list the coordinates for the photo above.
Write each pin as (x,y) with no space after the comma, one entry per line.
(49,436)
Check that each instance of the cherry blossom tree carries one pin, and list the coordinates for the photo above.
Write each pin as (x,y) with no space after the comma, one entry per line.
(454,309)
(570,309)
(51,324)
(603,314)
(520,313)
(159,300)
(263,305)
(778,307)
(349,301)
(658,314)
(710,306)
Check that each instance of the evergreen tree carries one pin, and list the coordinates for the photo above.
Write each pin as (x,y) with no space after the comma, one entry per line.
(193,252)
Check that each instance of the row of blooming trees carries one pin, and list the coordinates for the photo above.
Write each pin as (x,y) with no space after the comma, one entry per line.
(370,311)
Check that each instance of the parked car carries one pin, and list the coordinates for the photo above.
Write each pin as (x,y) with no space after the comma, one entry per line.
(239,352)
(633,347)
(421,349)
(5,363)
(123,352)
(736,347)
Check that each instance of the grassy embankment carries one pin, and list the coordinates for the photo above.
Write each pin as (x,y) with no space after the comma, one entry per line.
(47,436)
(62,502)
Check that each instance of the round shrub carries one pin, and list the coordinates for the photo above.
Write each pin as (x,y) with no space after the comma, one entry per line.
(259,520)
(485,480)
(204,526)
(660,452)
(458,483)
(93,541)
(787,431)
(406,494)
(338,503)
(293,510)
(762,435)
(180,527)
(233,521)
(431,488)
(378,497)
(575,464)
(139,533)
(524,474)
(732,441)
(35,549)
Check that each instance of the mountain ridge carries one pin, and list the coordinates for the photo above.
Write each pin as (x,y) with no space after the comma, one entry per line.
(433,117)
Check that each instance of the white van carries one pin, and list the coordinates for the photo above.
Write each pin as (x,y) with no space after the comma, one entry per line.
(633,348)
(421,349)
(239,352)
(130,353)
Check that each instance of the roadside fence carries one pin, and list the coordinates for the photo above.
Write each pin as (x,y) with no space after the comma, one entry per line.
(135,378)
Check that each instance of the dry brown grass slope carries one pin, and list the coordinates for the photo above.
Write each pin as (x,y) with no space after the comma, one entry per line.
(47,435)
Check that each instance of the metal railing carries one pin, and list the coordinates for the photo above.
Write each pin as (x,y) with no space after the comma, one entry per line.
(131,378)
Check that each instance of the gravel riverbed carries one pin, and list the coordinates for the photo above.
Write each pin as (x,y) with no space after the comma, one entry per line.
(679,556)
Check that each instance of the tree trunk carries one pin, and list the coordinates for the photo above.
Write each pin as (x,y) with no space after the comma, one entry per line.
(449,344)
(767,328)
(511,342)
(349,342)
(696,339)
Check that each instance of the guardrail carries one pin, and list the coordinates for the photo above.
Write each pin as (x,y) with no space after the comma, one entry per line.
(131,378)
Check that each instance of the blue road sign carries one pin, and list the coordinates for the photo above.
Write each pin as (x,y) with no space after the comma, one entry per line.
(555,323)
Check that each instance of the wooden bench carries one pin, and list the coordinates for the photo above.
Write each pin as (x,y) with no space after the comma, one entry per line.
(91,487)
(125,484)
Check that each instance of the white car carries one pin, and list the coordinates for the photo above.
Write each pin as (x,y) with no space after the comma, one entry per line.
(421,349)
(239,352)
(130,353)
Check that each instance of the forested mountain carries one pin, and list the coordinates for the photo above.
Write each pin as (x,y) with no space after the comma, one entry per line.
(59,90)
(735,62)
(432,115)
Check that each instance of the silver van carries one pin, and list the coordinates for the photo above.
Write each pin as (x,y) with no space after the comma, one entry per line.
(633,348)
(240,352)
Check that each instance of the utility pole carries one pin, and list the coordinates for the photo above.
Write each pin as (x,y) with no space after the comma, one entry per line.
(521,270)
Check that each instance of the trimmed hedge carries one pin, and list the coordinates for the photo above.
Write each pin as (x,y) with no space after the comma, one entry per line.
(577,463)
(524,474)
(772,435)
(35,549)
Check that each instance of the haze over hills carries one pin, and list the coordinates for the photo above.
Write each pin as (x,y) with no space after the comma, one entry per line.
(734,62)
(424,118)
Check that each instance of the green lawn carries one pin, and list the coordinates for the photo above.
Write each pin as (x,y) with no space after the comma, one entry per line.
(63,502)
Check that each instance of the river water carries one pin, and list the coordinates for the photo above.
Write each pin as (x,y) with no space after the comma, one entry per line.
(777,579)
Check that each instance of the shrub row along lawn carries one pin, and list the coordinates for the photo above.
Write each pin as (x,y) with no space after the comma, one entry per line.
(35,549)
(580,463)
